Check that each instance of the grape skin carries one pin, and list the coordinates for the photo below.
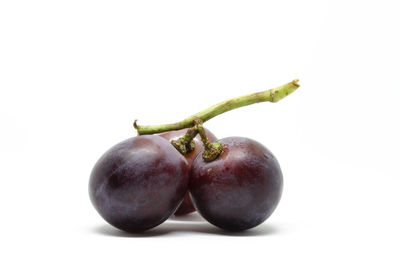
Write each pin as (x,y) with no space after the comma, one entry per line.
(139,183)
(240,189)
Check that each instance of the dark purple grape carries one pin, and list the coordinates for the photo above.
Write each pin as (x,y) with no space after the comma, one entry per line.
(139,183)
(241,188)
(186,205)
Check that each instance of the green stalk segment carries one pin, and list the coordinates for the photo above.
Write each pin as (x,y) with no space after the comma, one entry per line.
(271,95)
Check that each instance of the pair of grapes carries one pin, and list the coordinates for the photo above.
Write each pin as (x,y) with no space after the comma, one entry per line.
(140,182)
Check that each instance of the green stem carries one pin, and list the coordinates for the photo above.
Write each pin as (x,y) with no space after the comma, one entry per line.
(211,150)
(185,144)
(271,95)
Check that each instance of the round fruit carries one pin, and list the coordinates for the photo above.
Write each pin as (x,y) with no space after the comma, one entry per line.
(139,183)
(187,205)
(241,188)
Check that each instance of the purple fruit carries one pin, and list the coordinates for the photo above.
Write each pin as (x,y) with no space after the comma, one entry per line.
(139,183)
(241,188)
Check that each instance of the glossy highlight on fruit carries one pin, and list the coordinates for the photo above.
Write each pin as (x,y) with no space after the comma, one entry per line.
(186,206)
(139,183)
(241,188)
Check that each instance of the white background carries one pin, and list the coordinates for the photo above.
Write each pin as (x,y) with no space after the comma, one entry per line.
(75,74)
